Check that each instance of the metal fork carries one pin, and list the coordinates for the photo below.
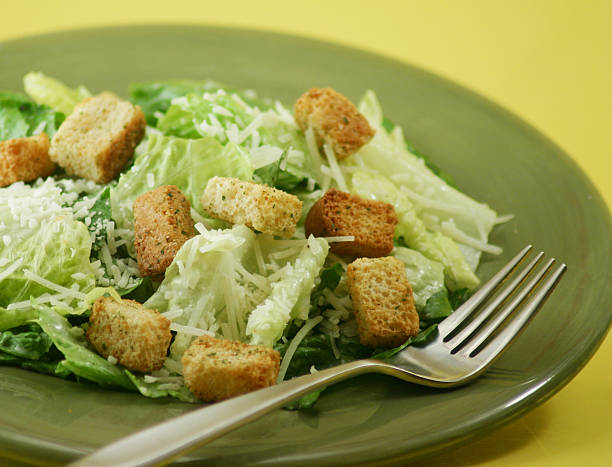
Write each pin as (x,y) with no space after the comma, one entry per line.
(465,346)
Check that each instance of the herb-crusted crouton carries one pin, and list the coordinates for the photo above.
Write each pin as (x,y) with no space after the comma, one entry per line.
(134,335)
(257,206)
(334,120)
(383,301)
(216,369)
(162,224)
(98,138)
(25,159)
(371,222)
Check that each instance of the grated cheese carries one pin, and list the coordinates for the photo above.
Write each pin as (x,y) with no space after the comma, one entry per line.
(66,292)
(295,342)
(11,269)
(336,173)
(190,330)
(450,229)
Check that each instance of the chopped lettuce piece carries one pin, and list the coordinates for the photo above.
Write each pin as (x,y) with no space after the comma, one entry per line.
(30,348)
(425,276)
(155,97)
(43,248)
(217,285)
(422,338)
(186,163)
(437,308)
(156,390)
(53,93)
(20,117)
(442,207)
(268,321)
(10,319)
(412,230)
(25,343)
(204,287)
(77,357)
(276,147)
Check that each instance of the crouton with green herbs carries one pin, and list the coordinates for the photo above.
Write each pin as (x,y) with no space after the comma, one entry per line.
(334,119)
(383,301)
(337,213)
(25,159)
(162,224)
(98,138)
(259,207)
(138,338)
(217,369)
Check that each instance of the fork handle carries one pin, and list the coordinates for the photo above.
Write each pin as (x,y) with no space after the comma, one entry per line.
(172,438)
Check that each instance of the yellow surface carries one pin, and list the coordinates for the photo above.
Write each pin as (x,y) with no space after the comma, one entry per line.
(549,62)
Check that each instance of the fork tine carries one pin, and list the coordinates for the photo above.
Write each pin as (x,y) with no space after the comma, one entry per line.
(450,323)
(497,345)
(491,307)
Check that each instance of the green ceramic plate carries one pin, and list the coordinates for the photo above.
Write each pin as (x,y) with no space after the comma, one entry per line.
(492,155)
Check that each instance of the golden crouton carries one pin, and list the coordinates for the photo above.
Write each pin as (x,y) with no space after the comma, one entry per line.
(260,207)
(337,213)
(162,224)
(25,159)
(382,300)
(334,120)
(134,335)
(98,138)
(216,369)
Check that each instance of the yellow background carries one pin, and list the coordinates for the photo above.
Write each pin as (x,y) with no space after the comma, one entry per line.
(549,62)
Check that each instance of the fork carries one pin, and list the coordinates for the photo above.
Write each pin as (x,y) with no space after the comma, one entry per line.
(467,343)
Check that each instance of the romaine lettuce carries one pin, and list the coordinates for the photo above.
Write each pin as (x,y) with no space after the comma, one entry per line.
(155,97)
(276,147)
(41,241)
(78,359)
(412,230)
(53,93)
(442,207)
(268,321)
(186,163)
(425,276)
(20,117)
(203,287)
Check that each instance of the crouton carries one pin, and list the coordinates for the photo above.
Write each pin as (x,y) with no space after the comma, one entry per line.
(162,224)
(25,159)
(98,138)
(334,120)
(337,213)
(134,335)
(260,207)
(216,369)
(383,301)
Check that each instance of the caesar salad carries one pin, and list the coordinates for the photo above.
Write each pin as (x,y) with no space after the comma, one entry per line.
(197,241)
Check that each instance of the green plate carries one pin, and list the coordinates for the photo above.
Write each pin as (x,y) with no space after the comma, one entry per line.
(492,155)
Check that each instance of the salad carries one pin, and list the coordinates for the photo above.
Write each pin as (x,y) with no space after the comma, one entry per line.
(67,242)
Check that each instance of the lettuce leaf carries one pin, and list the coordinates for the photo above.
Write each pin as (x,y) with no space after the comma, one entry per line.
(186,163)
(20,117)
(268,321)
(48,91)
(277,149)
(156,390)
(155,97)
(78,359)
(412,231)
(425,276)
(25,343)
(442,207)
(41,238)
(202,286)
